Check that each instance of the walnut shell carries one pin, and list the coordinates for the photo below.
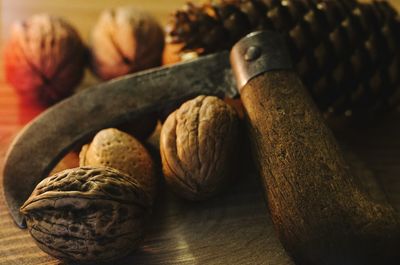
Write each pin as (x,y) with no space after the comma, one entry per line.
(119,150)
(198,145)
(44,59)
(87,214)
(125,40)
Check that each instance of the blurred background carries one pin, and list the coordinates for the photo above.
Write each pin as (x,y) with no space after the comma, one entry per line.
(81,14)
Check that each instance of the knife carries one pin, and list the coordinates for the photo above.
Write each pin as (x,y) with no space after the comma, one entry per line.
(46,139)
(318,212)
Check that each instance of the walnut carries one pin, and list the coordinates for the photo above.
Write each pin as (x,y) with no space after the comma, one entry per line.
(119,150)
(44,59)
(125,40)
(87,214)
(198,145)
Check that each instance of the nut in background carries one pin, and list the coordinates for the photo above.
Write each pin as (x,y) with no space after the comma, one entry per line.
(44,59)
(125,40)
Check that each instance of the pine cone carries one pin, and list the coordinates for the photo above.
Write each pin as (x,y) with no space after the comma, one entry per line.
(346,53)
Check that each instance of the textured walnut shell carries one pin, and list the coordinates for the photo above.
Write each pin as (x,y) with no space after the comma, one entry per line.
(119,150)
(198,145)
(125,40)
(44,59)
(87,214)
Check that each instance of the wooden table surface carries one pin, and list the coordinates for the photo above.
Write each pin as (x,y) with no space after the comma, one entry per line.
(233,228)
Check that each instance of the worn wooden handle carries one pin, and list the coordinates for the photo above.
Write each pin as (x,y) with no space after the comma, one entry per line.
(321,216)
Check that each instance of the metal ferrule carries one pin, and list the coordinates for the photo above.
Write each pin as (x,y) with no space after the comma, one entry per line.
(257,53)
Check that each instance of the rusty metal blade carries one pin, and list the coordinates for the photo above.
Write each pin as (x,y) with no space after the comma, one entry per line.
(42,143)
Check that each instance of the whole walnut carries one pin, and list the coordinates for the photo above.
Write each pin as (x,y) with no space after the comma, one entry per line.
(199,147)
(119,150)
(87,214)
(44,59)
(125,40)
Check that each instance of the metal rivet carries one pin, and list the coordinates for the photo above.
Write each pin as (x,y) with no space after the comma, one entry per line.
(252,53)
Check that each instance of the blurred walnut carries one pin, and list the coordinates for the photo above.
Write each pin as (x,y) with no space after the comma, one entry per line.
(199,146)
(125,40)
(119,150)
(89,215)
(44,59)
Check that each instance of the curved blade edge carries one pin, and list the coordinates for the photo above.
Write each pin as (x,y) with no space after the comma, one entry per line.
(45,140)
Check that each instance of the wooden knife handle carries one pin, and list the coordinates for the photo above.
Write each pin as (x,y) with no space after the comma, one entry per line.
(319,213)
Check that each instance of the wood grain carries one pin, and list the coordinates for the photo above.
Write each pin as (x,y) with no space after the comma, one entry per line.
(233,228)
(315,204)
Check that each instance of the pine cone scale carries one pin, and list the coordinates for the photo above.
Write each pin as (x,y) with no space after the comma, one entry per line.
(347,53)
